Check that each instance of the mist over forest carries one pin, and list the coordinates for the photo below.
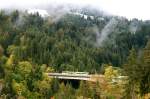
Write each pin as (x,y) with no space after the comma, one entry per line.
(74,39)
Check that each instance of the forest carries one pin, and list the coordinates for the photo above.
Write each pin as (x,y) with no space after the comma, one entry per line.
(32,45)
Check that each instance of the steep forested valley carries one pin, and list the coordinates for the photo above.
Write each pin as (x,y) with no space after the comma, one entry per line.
(85,41)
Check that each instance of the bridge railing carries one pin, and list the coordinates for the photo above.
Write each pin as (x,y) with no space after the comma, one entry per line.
(77,76)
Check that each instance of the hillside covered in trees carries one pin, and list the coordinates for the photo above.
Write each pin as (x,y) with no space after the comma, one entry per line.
(86,41)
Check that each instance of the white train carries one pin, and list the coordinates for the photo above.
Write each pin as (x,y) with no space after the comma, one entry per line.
(74,73)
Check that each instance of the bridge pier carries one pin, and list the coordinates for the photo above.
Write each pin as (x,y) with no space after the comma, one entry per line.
(74,83)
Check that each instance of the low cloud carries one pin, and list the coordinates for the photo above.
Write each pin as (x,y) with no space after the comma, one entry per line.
(127,8)
(108,28)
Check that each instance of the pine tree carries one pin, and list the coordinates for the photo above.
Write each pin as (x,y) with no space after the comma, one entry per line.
(144,76)
(130,70)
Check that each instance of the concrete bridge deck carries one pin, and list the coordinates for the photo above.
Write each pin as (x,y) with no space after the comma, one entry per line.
(76,76)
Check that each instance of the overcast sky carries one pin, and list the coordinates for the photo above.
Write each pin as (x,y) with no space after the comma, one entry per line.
(129,8)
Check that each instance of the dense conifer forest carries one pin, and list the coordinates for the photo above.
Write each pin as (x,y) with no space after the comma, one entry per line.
(32,45)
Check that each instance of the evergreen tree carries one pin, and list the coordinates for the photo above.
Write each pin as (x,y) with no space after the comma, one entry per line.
(131,71)
(144,71)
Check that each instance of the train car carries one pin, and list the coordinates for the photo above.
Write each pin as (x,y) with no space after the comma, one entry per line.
(74,73)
